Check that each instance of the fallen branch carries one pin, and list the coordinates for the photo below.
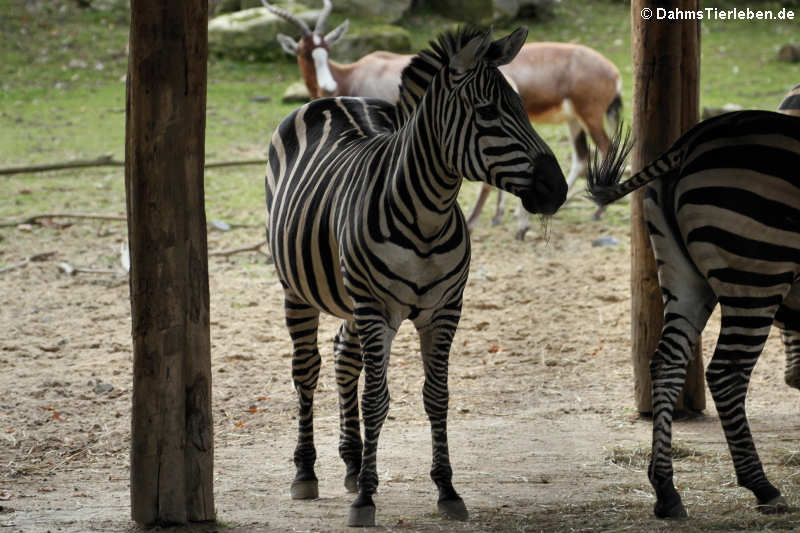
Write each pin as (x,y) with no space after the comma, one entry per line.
(109,161)
(35,218)
(30,259)
(226,253)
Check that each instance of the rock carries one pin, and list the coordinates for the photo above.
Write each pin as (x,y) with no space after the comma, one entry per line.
(296,93)
(606,240)
(711,111)
(536,9)
(102,388)
(483,12)
(358,43)
(789,53)
(390,11)
(251,34)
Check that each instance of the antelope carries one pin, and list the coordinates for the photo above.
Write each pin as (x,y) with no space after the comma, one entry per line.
(557,82)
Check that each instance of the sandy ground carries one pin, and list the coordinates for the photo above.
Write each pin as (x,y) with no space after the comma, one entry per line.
(543,431)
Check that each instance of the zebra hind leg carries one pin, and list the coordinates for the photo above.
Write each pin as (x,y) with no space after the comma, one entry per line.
(728,376)
(668,374)
(347,351)
(302,321)
(435,341)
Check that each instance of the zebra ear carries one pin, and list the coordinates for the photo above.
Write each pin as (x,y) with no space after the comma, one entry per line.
(288,44)
(471,53)
(504,50)
(336,33)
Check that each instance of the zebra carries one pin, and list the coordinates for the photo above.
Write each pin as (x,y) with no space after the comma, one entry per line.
(790,105)
(722,207)
(363,224)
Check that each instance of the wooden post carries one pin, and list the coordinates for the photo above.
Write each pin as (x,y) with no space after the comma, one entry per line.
(172,434)
(666,59)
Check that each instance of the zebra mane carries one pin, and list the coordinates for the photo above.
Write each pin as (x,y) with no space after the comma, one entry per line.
(417,76)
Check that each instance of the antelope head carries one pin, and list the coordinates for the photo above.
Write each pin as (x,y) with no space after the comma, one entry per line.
(312,49)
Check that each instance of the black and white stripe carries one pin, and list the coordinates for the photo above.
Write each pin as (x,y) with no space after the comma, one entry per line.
(722,207)
(363,224)
(790,105)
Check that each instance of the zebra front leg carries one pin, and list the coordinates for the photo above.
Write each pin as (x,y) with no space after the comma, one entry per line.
(347,351)
(435,341)
(375,338)
(728,377)
(303,321)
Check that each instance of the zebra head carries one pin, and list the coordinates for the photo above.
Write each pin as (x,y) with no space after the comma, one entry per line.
(486,134)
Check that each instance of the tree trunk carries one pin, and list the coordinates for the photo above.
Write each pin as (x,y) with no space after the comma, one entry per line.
(172,433)
(666,58)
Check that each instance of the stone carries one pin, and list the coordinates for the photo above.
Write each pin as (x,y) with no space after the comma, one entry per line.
(790,53)
(537,9)
(251,34)
(360,42)
(483,12)
(389,11)
(296,93)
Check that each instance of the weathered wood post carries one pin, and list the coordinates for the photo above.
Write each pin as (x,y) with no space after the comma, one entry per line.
(666,93)
(172,435)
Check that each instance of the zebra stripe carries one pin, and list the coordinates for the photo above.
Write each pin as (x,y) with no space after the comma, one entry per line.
(723,212)
(790,105)
(363,224)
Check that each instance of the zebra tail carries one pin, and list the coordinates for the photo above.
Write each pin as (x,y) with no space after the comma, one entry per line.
(602,177)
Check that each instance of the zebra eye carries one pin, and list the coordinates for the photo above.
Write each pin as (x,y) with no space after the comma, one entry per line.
(487,112)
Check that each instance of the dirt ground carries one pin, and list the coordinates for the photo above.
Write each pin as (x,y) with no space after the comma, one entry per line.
(543,431)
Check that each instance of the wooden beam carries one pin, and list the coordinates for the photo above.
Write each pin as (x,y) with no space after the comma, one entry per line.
(666,59)
(172,434)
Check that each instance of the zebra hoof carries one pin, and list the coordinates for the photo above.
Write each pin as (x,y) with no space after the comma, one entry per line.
(351,482)
(363,516)
(305,490)
(776,505)
(453,509)
(675,512)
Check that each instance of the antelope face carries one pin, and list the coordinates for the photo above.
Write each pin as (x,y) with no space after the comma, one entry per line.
(312,57)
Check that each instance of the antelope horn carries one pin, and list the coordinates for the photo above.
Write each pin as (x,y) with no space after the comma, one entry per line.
(288,17)
(323,17)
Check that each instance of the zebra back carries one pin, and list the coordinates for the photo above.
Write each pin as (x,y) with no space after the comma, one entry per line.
(603,178)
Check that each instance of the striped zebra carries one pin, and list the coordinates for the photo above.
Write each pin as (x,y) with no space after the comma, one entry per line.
(790,105)
(363,224)
(722,207)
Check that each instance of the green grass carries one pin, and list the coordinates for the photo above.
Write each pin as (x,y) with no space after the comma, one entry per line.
(64,96)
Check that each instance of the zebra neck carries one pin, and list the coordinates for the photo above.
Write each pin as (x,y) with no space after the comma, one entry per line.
(423,192)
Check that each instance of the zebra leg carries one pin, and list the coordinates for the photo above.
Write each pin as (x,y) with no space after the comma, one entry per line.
(742,337)
(376,338)
(347,351)
(435,340)
(302,321)
(688,302)
(668,374)
(788,318)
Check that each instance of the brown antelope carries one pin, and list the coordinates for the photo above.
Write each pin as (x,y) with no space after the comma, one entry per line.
(790,105)
(558,82)
(375,75)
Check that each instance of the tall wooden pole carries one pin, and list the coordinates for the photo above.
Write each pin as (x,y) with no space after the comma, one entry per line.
(666,60)
(172,435)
